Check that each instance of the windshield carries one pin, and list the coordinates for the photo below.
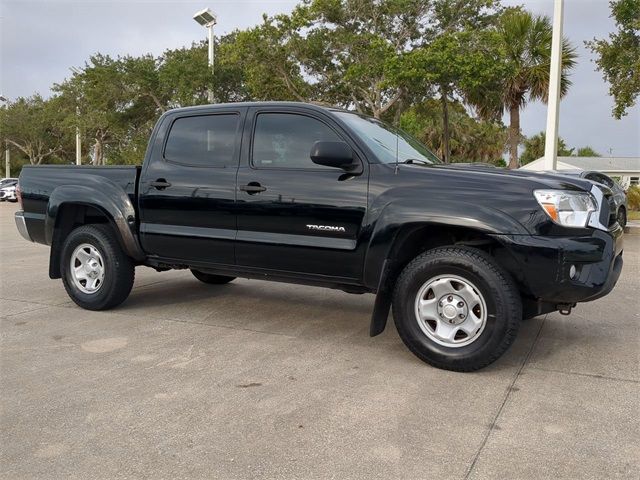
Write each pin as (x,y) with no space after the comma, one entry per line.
(385,140)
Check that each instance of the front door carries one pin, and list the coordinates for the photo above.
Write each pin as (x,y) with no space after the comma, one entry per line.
(187,192)
(294,215)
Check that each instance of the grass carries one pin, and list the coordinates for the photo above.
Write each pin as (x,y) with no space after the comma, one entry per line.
(633,215)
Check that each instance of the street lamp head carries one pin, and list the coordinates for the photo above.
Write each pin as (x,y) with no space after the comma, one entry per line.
(205,17)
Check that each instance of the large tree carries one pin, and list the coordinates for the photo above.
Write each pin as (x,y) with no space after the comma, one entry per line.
(471,139)
(618,57)
(98,100)
(526,41)
(263,63)
(34,127)
(453,64)
(348,48)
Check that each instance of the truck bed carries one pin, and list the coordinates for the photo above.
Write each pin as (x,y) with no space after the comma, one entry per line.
(38,182)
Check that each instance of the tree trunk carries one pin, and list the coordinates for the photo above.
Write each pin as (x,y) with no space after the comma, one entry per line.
(514,135)
(97,153)
(446,150)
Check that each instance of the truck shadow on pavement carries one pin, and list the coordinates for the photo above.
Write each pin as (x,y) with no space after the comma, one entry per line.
(295,311)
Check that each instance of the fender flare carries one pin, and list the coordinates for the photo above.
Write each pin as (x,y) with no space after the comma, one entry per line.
(103,195)
(379,261)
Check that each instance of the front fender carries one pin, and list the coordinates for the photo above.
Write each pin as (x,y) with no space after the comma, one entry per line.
(104,195)
(396,215)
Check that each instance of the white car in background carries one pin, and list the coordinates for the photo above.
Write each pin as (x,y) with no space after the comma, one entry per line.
(8,189)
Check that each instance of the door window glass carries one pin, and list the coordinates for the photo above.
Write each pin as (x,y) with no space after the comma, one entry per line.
(203,141)
(284,140)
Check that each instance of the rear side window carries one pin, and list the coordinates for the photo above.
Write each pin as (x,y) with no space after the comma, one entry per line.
(203,141)
(284,140)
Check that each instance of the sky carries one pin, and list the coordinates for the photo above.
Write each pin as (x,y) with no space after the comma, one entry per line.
(41,39)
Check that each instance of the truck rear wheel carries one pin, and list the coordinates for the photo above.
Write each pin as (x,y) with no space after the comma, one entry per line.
(96,273)
(456,309)
(212,279)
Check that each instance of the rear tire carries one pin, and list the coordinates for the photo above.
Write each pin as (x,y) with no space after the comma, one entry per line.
(456,308)
(96,272)
(212,279)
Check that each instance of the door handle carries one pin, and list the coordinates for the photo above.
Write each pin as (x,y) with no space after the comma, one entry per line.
(252,188)
(160,184)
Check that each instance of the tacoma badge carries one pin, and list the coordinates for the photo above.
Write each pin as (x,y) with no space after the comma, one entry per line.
(326,228)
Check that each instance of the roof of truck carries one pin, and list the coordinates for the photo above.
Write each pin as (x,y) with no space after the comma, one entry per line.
(316,106)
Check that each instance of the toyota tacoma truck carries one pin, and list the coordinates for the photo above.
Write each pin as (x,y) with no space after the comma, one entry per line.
(313,195)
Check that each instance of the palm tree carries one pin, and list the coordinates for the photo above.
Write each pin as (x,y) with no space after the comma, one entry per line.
(526,44)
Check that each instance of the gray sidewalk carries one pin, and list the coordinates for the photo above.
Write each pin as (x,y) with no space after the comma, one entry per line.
(256,379)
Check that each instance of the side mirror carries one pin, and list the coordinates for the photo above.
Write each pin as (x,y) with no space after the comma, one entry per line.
(333,154)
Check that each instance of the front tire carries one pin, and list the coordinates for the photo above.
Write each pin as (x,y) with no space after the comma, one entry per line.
(456,308)
(96,272)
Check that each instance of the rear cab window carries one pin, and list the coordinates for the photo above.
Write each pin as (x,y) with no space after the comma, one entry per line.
(203,140)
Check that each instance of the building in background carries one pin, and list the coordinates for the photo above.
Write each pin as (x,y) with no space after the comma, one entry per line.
(626,170)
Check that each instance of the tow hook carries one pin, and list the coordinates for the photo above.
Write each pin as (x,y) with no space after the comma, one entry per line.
(565,308)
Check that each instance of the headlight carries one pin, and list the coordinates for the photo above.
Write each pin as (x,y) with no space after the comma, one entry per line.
(570,209)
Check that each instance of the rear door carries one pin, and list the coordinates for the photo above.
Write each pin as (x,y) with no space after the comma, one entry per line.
(293,215)
(187,189)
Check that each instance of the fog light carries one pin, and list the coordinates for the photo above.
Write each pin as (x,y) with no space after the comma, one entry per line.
(572,272)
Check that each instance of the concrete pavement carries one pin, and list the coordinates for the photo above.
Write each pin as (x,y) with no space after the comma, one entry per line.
(257,379)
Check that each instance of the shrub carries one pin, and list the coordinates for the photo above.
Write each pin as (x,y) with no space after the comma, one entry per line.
(633,197)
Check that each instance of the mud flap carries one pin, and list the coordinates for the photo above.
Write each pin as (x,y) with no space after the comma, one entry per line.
(382,305)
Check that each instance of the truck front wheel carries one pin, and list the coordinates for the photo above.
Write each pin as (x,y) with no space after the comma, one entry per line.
(96,273)
(456,308)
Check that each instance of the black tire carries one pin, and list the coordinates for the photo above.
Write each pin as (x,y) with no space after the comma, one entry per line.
(622,217)
(496,287)
(119,270)
(212,279)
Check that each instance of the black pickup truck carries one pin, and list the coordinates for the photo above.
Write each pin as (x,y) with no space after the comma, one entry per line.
(320,196)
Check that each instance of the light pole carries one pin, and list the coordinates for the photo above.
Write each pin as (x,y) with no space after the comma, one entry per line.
(208,19)
(77,71)
(78,140)
(553,108)
(7,152)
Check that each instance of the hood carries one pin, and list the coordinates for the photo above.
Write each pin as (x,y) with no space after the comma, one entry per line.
(543,179)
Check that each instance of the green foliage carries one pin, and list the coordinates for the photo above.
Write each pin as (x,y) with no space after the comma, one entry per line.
(618,57)
(586,152)
(633,197)
(472,140)
(33,127)
(526,41)
(350,47)
(455,64)
(534,149)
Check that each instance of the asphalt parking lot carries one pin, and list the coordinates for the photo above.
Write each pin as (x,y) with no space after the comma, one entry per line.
(256,379)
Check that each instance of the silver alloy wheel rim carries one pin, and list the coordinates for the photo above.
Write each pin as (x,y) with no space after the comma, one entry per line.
(451,311)
(87,268)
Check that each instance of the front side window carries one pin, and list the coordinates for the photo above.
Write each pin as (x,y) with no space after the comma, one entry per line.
(203,141)
(284,140)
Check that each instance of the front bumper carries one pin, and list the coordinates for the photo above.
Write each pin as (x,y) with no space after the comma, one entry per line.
(543,265)
(22,226)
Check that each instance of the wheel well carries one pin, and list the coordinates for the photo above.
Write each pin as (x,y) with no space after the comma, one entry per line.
(413,240)
(68,217)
